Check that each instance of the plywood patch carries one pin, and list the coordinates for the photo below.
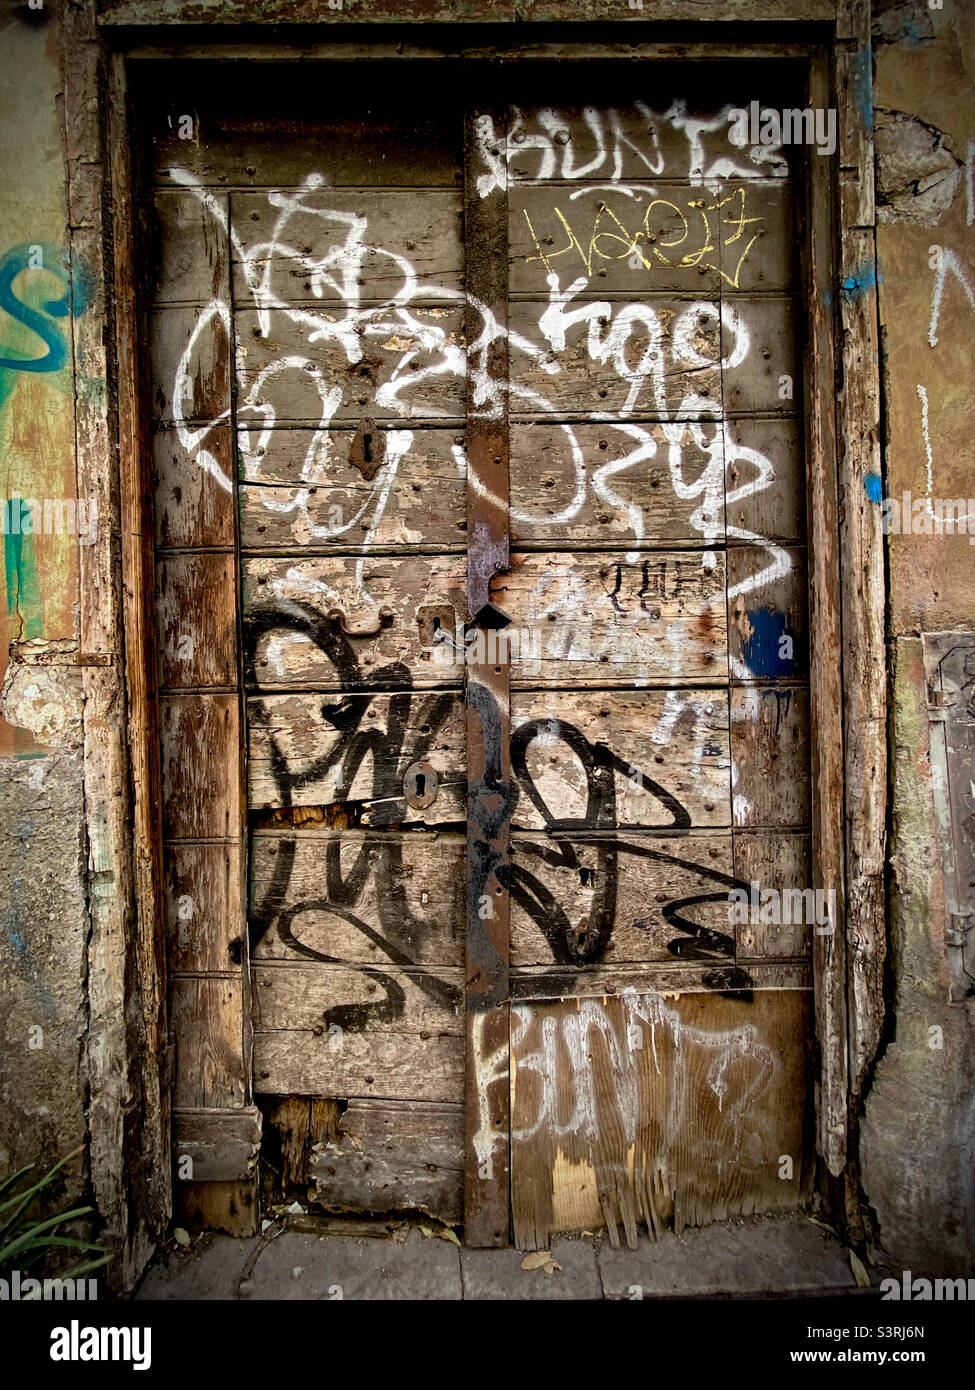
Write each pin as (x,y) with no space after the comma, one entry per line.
(656,1111)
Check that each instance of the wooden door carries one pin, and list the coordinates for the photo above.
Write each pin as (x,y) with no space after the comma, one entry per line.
(483,671)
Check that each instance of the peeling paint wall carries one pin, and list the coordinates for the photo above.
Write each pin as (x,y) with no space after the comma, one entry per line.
(43,925)
(918,1134)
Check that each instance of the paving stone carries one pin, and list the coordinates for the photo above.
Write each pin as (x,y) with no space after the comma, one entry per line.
(210,1269)
(297,1265)
(494,1274)
(766,1255)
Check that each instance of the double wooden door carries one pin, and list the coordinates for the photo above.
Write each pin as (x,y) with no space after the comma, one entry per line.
(482,667)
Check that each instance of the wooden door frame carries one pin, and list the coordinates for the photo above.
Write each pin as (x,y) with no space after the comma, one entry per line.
(129,1048)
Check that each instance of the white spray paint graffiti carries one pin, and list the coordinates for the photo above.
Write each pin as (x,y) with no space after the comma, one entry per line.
(573,1103)
(332,269)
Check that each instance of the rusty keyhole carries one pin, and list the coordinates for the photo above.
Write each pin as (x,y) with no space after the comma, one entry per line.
(368,450)
(420,785)
(432,619)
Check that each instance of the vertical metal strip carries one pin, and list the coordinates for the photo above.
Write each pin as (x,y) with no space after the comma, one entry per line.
(487,1102)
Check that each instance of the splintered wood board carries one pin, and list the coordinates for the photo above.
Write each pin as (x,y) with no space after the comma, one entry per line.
(657,1111)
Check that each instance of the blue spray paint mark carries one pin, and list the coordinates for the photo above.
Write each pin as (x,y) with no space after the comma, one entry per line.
(875,486)
(761,648)
(37,316)
(863,279)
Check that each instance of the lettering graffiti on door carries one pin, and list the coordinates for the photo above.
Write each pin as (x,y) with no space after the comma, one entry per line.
(714,231)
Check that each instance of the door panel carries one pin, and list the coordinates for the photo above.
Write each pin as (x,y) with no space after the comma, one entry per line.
(481,586)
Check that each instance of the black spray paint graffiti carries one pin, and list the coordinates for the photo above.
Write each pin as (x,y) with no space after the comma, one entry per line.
(407,739)
(568,944)
(383,857)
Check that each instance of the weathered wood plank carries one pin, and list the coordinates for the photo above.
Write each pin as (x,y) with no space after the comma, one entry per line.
(191,246)
(487,692)
(318,750)
(778,863)
(314,750)
(365,897)
(758,244)
(765,461)
(322,245)
(770,756)
(391,1066)
(310,996)
(200,732)
(418,499)
(292,1124)
(653,358)
(289,639)
(587,618)
(759,345)
(220,1145)
(206,1015)
(616,483)
(393,1156)
(650,239)
(192,507)
(854,87)
(672,136)
(421,347)
(204,906)
(140,991)
(612,899)
(591,759)
(278,151)
(191,365)
(371,899)
(618,240)
(767,612)
(864,660)
(196,606)
(314,458)
(825,675)
(646,1110)
(558,983)
(122,13)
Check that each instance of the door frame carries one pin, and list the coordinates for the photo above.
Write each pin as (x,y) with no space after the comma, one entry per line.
(130,1054)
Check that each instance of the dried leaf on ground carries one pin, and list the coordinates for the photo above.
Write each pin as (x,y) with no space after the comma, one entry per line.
(537,1259)
(859,1270)
(428,1231)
